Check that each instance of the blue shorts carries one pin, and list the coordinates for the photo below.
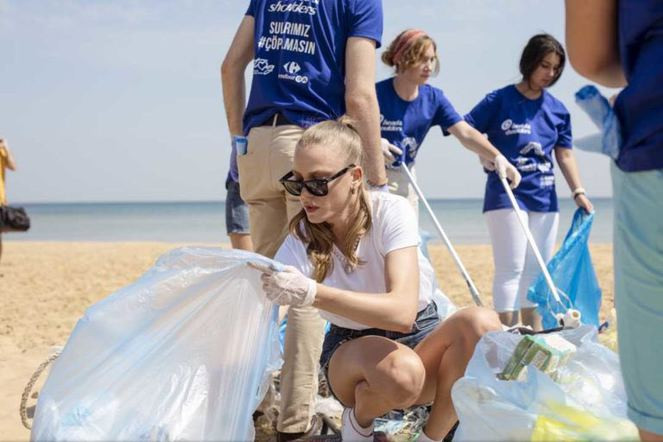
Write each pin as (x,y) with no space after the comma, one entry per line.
(237,212)
(427,320)
(638,253)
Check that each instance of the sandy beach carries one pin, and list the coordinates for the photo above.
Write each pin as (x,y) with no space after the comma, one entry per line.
(46,286)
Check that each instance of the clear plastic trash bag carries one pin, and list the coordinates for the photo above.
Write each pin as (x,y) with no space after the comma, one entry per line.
(573,272)
(181,354)
(586,402)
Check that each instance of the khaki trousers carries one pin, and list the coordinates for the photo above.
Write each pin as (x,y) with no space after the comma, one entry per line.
(269,156)
(399,184)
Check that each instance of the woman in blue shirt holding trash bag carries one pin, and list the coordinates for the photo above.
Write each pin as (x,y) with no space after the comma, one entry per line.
(528,125)
(409,107)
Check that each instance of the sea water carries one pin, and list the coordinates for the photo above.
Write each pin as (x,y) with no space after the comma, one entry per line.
(204,222)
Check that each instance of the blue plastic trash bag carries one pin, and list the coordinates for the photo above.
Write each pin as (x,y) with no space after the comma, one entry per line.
(573,273)
(585,401)
(183,353)
(600,112)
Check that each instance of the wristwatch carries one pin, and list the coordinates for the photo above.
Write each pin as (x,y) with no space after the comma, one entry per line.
(578,191)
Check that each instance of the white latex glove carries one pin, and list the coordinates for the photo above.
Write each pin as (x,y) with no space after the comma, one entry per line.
(289,287)
(388,150)
(506,170)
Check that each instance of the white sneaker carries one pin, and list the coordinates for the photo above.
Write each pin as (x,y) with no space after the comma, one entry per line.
(351,431)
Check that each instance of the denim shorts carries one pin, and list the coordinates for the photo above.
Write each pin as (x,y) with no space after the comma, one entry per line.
(237,212)
(427,320)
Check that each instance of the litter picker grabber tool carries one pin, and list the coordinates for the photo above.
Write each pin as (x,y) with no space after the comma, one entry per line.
(530,240)
(572,317)
(473,290)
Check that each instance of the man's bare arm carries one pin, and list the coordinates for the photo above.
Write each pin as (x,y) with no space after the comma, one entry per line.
(232,74)
(362,104)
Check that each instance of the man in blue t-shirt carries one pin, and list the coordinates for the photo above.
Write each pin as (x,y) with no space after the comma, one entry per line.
(620,44)
(313,60)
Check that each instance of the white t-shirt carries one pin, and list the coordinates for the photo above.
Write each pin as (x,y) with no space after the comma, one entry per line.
(394,227)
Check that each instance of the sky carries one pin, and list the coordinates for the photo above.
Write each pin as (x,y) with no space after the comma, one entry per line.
(121,100)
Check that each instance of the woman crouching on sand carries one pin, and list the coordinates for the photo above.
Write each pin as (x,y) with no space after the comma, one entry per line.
(355,256)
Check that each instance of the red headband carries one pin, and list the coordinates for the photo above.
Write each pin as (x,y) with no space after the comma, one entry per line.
(404,43)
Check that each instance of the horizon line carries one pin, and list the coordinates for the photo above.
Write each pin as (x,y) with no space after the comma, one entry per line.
(117,202)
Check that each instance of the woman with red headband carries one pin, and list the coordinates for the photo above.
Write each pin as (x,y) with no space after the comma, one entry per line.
(409,107)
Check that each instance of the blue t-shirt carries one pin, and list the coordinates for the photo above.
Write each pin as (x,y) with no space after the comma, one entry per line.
(639,107)
(299,56)
(406,123)
(526,132)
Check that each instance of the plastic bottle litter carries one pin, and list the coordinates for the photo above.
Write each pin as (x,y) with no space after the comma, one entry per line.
(586,402)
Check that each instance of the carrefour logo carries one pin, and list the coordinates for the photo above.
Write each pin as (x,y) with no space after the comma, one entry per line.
(292,67)
(506,124)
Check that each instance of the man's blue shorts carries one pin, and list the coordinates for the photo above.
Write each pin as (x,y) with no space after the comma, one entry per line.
(237,212)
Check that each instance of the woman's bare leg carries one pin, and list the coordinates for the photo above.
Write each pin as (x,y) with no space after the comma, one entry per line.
(445,354)
(241,241)
(375,375)
(532,318)
(648,436)
(509,319)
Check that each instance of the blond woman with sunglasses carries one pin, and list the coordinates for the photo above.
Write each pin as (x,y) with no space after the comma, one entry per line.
(354,255)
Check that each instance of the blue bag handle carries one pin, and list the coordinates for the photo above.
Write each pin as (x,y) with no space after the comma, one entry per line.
(582,221)
(578,233)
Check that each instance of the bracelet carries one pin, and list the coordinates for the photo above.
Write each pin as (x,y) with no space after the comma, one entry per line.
(578,191)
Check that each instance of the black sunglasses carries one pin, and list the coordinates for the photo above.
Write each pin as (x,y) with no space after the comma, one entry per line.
(317,186)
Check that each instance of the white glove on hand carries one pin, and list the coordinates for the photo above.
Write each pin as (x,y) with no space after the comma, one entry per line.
(289,287)
(505,169)
(388,150)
